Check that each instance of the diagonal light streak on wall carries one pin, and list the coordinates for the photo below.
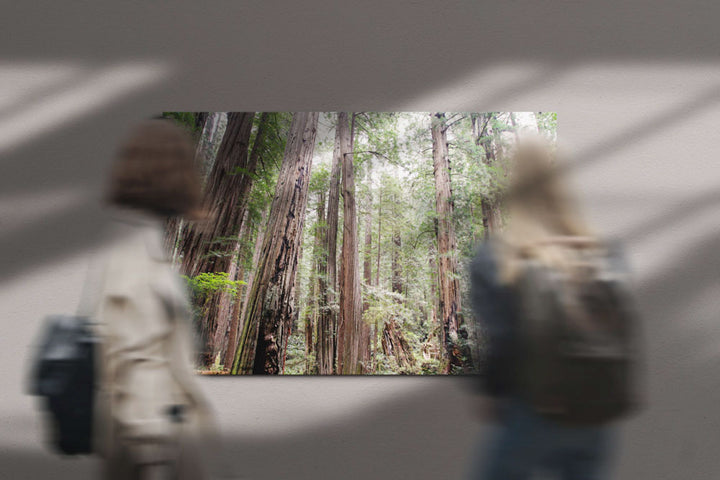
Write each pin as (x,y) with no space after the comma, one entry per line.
(95,90)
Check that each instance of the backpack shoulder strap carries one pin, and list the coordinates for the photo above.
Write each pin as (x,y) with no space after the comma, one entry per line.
(92,289)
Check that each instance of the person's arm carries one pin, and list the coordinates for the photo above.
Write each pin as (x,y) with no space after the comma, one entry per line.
(131,364)
(181,352)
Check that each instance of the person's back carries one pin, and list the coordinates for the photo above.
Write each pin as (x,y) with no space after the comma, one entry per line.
(528,440)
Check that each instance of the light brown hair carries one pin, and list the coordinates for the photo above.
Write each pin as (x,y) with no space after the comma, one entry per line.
(155,171)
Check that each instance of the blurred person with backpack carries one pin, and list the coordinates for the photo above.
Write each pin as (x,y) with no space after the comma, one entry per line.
(117,378)
(555,311)
(151,414)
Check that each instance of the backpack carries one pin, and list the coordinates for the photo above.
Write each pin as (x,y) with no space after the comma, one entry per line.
(64,376)
(577,341)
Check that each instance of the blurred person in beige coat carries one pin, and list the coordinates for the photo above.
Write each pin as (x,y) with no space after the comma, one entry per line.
(152,418)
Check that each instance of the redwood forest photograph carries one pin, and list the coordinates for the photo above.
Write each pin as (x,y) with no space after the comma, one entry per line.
(338,243)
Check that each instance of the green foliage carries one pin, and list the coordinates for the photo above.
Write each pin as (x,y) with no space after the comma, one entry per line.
(431,366)
(206,284)
(547,122)
(243,171)
(384,305)
(385,365)
(320,179)
(295,359)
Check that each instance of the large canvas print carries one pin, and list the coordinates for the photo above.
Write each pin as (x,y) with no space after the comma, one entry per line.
(338,243)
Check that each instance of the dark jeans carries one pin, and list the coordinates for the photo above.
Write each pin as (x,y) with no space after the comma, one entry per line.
(524,443)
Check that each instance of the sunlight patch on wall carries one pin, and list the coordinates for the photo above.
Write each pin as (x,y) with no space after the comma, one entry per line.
(39,110)
(312,404)
(482,89)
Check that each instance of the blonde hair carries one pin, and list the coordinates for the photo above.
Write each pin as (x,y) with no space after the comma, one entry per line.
(542,215)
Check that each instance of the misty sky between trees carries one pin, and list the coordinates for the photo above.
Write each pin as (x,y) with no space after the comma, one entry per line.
(410,232)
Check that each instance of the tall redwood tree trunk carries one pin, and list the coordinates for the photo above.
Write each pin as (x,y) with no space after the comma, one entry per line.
(225,300)
(449,290)
(432,264)
(202,132)
(318,285)
(210,247)
(350,353)
(377,265)
(271,302)
(367,254)
(397,283)
(326,345)
(369,329)
(484,135)
(241,306)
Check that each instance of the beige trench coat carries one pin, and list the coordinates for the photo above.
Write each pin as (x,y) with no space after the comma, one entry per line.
(145,360)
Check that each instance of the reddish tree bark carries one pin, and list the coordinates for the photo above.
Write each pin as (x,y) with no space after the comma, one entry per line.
(449,290)
(350,352)
(377,266)
(369,330)
(318,284)
(394,344)
(224,299)
(209,247)
(369,334)
(367,255)
(432,264)
(271,302)
(227,301)
(484,136)
(326,348)
(240,307)
(174,225)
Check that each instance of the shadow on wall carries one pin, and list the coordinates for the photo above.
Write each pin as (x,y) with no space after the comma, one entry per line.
(51,189)
(383,440)
(679,430)
(408,45)
(76,158)
(673,316)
